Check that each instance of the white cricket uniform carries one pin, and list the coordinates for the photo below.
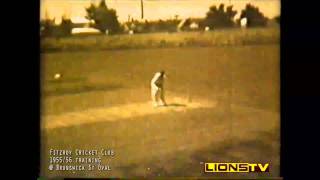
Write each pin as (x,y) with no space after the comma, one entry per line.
(157,89)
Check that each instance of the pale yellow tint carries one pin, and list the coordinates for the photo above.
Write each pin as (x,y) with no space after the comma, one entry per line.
(153,9)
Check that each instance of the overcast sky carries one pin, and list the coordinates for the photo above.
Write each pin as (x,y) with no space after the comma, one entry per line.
(153,9)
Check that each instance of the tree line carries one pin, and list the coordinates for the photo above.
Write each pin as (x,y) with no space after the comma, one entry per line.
(105,19)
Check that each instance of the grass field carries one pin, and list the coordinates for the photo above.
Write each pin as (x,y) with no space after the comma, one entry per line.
(163,40)
(241,124)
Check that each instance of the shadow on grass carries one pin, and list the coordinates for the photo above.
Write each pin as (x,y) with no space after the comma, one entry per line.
(59,91)
(176,105)
(63,80)
(192,165)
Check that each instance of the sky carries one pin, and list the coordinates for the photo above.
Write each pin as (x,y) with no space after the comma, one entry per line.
(153,9)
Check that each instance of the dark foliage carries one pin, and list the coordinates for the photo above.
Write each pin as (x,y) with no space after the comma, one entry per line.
(220,17)
(254,16)
(103,18)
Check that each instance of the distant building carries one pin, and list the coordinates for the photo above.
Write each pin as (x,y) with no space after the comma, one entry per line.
(133,27)
(126,28)
(82,26)
(84,30)
(194,26)
(80,22)
(189,24)
(243,22)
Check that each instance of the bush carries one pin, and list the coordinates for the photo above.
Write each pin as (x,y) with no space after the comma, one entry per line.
(66,27)
(46,27)
(169,25)
(50,29)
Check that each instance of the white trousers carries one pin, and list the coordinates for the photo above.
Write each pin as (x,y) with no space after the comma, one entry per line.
(157,96)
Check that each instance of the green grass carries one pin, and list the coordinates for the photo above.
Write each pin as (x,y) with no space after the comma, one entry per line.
(171,144)
(162,40)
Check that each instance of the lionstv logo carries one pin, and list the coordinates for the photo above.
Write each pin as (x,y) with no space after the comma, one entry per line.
(236,167)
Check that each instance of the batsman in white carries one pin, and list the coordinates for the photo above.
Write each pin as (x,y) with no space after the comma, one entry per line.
(157,89)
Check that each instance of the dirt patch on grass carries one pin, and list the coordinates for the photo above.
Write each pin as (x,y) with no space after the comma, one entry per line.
(133,110)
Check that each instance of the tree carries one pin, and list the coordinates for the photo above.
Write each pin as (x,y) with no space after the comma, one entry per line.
(46,27)
(219,17)
(103,17)
(65,26)
(277,19)
(254,16)
(50,29)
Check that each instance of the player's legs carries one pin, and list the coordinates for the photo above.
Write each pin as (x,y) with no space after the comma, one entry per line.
(154,94)
(162,99)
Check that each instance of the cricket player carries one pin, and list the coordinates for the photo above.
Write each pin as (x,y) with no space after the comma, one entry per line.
(157,90)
